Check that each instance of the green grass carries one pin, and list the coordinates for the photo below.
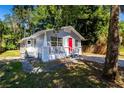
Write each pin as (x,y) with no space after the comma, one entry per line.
(10,53)
(121,49)
(83,75)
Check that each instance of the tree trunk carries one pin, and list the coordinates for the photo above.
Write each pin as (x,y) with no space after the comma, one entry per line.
(110,71)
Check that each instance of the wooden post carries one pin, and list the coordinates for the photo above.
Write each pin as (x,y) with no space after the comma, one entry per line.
(45,49)
(45,39)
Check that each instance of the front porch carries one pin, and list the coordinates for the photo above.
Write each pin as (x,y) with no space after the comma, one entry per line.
(57,52)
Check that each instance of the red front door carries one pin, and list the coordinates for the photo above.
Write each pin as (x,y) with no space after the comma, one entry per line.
(70,44)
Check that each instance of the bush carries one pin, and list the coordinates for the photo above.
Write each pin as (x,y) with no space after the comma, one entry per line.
(11,46)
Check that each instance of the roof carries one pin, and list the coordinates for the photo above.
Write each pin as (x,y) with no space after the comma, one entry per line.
(62,28)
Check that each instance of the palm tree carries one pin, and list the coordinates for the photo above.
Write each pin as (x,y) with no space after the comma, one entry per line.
(110,71)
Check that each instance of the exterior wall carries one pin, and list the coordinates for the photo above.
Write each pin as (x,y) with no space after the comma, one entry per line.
(65,35)
(39,45)
(39,41)
(69,34)
(80,47)
(65,44)
(45,54)
(42,52)
(28,49)
(53,56)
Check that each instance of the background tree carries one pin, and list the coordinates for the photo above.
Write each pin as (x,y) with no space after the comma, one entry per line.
(90,21)
(121,30)
(23,14)
(1,33)
(11,33)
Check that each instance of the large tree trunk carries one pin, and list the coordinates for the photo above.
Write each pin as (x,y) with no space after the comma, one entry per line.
(110,71)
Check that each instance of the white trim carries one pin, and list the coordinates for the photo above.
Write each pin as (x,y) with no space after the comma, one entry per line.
(45,40)
(62,28)
(72,29)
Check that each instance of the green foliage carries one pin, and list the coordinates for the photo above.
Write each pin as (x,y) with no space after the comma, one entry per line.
(121,49)
(121,26)
(10,46)
(121,30)
(1,32)
(24,16)
(90,21)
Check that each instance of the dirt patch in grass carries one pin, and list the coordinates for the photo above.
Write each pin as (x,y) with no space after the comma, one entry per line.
(84,74)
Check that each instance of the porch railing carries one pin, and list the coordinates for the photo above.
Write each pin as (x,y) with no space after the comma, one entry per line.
(60,50)
(56,50)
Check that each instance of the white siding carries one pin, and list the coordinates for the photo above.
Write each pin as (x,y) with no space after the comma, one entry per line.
(65,44)
(39,45)
(80,48)
(43,52)
(39,41)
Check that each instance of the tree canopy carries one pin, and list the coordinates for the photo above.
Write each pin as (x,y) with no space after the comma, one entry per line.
(90,21)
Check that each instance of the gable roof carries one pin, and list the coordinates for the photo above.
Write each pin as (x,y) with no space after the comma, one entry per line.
(62,28)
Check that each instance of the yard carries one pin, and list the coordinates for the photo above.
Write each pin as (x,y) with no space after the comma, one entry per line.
(121,49)
(10,53)
(82,74)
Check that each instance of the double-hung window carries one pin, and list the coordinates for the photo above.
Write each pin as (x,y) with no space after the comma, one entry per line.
(59,41)
(55,41)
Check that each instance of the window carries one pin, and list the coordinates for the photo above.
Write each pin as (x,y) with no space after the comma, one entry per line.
(59,41)
(53,41)
(76,43)
(56,41)
(29,42)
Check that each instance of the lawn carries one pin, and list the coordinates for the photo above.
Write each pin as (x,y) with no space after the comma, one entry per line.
(121,52)
(121,49)
(10,53)
(82,74)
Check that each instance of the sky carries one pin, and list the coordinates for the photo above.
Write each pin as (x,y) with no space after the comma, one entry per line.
(7,9)
(121,17)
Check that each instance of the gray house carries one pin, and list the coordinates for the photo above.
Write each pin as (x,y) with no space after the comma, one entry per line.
(50,44)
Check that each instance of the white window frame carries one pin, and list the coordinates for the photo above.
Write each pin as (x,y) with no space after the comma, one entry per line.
(57,41)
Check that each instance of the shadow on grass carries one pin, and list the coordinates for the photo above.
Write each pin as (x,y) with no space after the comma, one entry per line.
(84,75)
